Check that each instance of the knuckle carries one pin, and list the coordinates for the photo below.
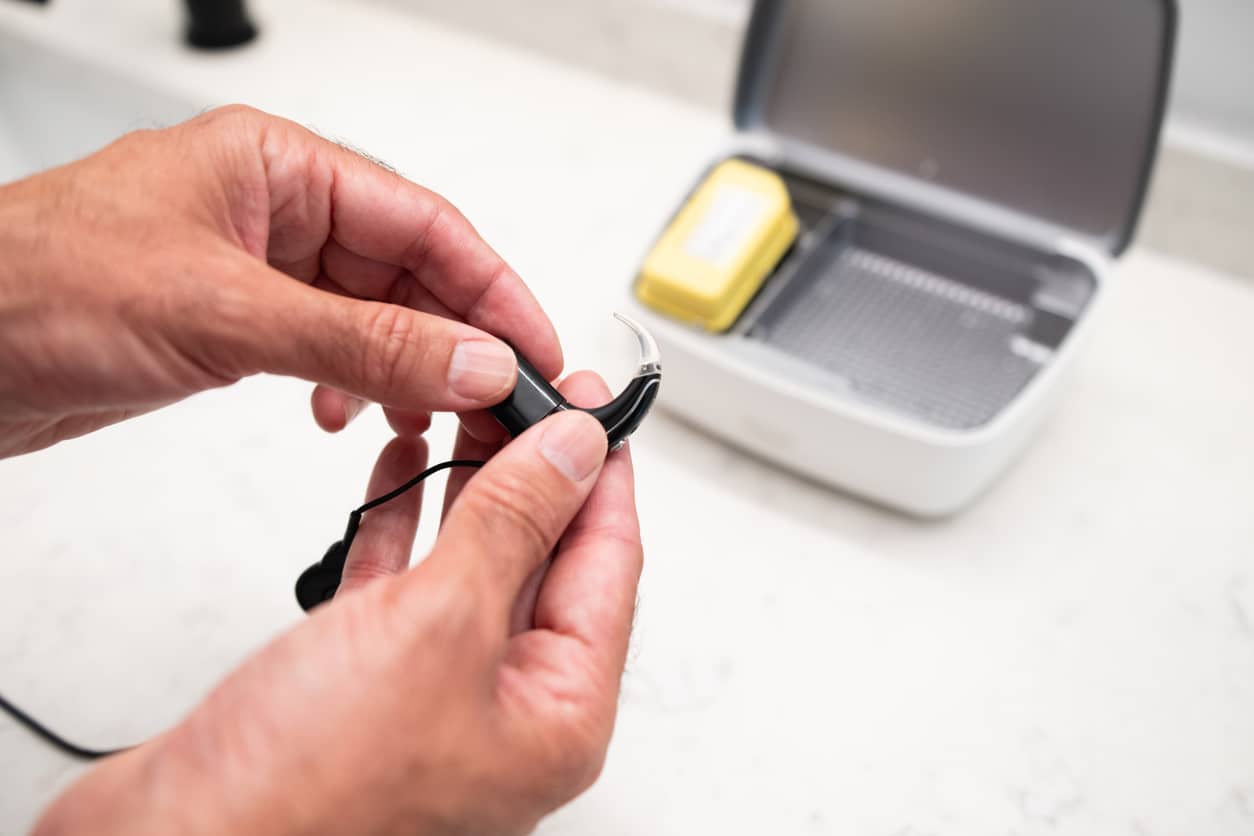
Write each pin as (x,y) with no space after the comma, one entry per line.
(415,255)
(576,763)
(593,766)
(233,113)
(393,352)
(516,509)
(500,274)
(136,137)
(362,571)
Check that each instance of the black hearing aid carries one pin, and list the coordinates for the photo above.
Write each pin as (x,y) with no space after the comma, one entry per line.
(532,400)
(535,399)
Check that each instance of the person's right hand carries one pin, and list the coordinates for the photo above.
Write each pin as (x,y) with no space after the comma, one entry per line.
(470,695)
(239,243)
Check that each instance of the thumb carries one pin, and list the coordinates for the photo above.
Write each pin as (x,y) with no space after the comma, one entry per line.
(508,518)
(382,352)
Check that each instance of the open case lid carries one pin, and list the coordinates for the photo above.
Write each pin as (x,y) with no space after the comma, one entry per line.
(1050,109)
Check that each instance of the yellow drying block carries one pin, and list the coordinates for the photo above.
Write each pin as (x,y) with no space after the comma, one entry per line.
(721,246)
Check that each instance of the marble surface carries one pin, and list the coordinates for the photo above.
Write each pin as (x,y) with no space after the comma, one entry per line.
(1075,654)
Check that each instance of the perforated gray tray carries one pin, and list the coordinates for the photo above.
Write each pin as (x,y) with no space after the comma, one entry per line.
(912,319)
(904,337)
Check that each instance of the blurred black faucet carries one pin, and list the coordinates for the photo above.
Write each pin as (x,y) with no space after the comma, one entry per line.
(214,24)
(218,24)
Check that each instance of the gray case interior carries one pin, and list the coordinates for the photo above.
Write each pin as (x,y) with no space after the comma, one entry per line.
(913,314)
(1048,109)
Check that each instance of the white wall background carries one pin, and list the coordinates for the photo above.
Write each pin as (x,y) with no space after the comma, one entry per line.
(1214,85)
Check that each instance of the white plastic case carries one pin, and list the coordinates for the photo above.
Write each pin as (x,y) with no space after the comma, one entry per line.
(915,337)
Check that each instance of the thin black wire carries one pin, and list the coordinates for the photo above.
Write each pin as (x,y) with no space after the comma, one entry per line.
(86,753)
(435,468)
(49,736)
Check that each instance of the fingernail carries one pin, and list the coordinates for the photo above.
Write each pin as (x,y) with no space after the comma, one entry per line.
(481,369)
(352,408)
(575,446)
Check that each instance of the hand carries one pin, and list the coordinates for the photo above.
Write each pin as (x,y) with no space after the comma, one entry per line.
(471,694)
(182,259)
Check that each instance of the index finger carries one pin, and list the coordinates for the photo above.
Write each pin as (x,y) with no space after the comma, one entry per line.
(381,222)
(382,216)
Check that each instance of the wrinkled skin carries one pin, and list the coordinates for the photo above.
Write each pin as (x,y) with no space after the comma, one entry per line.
(473,693)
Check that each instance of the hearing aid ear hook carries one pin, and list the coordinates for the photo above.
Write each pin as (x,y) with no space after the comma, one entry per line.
(534,398)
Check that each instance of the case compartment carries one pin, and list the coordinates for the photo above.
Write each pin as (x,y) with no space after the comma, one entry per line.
(905,312)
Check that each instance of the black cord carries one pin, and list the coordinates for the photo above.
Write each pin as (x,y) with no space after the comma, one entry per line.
(321,581)
(49,736)
(354,518)
(413,483)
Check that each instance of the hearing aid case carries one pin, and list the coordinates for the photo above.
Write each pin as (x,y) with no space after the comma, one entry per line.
(964,174)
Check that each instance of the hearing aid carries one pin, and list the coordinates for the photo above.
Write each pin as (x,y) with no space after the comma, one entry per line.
(535,399)
(532,400)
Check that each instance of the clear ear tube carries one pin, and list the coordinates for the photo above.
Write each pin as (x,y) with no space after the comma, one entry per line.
(621,416)
(534,398)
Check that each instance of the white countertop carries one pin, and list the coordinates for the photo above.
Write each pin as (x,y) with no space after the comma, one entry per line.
(1073,655)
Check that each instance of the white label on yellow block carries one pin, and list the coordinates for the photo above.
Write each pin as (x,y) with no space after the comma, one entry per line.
(734,213)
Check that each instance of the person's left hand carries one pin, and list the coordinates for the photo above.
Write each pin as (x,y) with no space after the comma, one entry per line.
(182,259)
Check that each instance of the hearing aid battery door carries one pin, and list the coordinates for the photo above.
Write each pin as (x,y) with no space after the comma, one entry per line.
(961,193)
(714,255)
